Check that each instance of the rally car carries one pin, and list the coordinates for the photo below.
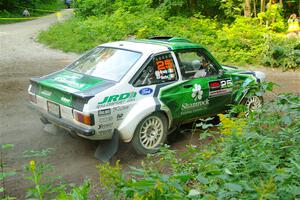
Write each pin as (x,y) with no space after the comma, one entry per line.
(140,90)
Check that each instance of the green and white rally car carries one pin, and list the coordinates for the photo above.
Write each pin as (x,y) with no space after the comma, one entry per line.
(140,90)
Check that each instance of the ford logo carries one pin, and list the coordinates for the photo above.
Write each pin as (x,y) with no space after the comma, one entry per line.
(145,91)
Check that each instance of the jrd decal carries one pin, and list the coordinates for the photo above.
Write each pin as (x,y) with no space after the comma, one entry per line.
(118,97)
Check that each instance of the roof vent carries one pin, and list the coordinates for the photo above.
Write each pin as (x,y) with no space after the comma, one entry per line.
(170,39)
(174,39)
(164,38)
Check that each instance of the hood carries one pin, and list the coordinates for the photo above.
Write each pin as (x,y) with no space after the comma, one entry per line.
(260,76)
(66,87)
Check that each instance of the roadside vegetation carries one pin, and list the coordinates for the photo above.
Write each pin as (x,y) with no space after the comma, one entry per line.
(254,158)
(12,9)
(246,158)
(234,36)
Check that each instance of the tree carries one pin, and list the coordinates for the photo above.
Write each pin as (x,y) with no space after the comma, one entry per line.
(254,8)
(247,10)
(262,6)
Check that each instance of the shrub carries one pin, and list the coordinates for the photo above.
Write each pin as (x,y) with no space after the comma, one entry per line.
(245,41)
(256,160)
(282,52)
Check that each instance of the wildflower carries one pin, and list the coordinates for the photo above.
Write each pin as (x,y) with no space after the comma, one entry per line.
(159,186)
(207,154)
(32,165)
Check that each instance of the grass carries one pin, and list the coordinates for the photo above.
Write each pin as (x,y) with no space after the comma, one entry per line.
(38,11)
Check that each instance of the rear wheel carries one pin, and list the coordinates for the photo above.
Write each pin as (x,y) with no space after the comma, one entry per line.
(150,134)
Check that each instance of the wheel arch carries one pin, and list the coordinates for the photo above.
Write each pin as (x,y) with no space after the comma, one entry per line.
(243,90)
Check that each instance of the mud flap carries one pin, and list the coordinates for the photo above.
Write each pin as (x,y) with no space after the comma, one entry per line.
(107,148)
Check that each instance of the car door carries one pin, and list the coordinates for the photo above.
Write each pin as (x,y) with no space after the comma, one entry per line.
(202,91)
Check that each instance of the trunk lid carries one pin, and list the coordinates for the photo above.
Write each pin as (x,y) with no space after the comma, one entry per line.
(65,87)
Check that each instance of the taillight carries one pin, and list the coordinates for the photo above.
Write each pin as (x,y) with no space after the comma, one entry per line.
(87,119)
(32,98)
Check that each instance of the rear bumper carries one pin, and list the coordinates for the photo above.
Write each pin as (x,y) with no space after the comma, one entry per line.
(66,124)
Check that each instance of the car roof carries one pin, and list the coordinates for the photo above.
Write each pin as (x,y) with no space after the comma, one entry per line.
(154,45)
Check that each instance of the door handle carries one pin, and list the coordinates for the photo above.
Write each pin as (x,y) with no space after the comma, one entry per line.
(187,86)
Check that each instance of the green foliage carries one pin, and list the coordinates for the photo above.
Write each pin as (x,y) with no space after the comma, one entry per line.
(239,43)
(282,52)
(14,9)
(106,7)
(3,170)
(273,18)
(47,185)
(232,8)
(13,5)
(254,158)
(76,193)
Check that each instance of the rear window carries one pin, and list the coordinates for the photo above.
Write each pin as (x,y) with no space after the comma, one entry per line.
(106,62)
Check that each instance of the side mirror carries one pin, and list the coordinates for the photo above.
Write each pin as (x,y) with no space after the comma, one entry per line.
(221,72)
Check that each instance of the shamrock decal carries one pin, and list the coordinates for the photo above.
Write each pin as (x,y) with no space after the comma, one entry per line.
(197,92)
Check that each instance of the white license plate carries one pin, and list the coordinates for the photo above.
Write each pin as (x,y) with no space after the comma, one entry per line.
(53,108)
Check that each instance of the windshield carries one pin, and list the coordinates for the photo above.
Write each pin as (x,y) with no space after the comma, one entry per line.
(105,62)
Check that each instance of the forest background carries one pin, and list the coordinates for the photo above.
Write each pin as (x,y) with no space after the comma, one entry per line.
(238,32)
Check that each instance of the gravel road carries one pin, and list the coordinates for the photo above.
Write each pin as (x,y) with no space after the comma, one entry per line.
(22,58)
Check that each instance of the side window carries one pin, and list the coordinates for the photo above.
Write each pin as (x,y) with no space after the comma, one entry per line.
(195,64)
(160,69)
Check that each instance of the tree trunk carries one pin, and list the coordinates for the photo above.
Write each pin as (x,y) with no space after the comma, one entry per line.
(281,3)
(247,11)
(254,8)
(262,6)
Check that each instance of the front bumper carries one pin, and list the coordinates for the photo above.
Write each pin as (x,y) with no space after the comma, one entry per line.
(66,124)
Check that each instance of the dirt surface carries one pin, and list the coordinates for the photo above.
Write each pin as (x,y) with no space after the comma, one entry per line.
(22,58)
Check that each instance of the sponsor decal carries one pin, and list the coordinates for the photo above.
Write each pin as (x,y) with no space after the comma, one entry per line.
(214,85)
(188,108)
(220,87)
(69,81)
(164,67)
(105,119)
(164,64)
(164,74)
(104,112)
(226,83)
(66,100)
(197,92)
(219,92)
(117,99)
(120,108)
(146,91)
(120,116)
(105,126)
(199,104)
(46,92)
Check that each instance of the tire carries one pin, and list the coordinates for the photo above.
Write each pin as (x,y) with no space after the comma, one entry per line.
(253,103)
(150,134)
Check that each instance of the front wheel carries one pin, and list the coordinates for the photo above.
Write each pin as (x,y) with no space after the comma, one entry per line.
(253,103)
(150,134)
